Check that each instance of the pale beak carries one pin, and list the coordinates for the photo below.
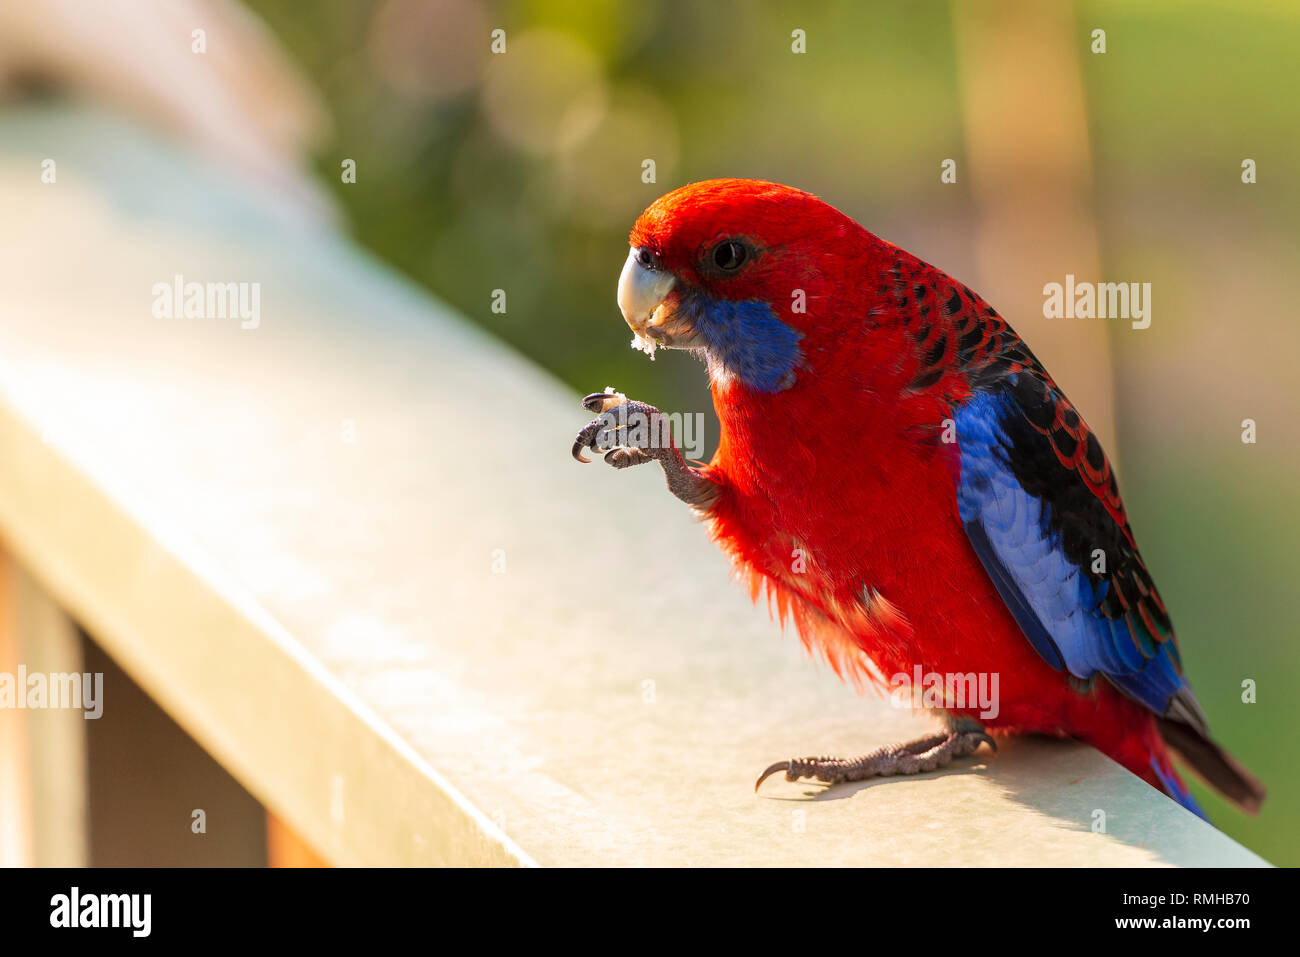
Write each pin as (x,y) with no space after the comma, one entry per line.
(642,296)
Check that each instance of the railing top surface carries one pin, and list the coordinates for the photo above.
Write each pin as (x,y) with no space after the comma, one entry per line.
(288,535)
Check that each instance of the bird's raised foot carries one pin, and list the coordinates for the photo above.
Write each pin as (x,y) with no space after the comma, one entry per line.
(633,433)
(924,754)
(626,431)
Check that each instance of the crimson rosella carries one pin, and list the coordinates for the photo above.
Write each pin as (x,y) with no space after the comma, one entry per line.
(948,507)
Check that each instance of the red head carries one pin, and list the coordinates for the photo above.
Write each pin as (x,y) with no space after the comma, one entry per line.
(747,272)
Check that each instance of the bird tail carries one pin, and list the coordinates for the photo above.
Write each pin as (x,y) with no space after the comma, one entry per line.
(1213,765)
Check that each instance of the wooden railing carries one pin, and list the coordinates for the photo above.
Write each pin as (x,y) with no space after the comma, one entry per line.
(346,551)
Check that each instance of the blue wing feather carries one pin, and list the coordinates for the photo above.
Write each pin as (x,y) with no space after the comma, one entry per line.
(1035,524)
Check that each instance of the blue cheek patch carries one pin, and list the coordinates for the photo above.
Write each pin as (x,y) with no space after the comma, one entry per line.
(747,339)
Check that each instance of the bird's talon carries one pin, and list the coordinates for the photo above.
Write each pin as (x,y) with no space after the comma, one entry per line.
(927,753)
(601,402)
(778,766)
(604,434)
(598,435)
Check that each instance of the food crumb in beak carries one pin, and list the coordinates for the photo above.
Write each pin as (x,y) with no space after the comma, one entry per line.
(644,344)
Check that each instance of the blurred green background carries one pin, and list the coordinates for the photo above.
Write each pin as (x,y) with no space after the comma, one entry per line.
(523,172)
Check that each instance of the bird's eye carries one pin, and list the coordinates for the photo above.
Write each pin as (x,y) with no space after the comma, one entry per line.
(646,258)
(729,255)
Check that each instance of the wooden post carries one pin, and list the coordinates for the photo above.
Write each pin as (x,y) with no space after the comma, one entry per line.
(43,779)
(15,783)
(1031,174)
(286,848)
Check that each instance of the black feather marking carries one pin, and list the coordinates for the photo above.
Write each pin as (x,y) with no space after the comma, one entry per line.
(1093,454)
(1065,442)
(928,379)
(934,355)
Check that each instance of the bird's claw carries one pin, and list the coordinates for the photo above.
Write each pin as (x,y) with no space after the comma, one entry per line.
(603,401)
(772,769)
(924,754)
(597,435)
(634,433)
(601,433)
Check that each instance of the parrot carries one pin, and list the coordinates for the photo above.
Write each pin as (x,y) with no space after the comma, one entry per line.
(950,510)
